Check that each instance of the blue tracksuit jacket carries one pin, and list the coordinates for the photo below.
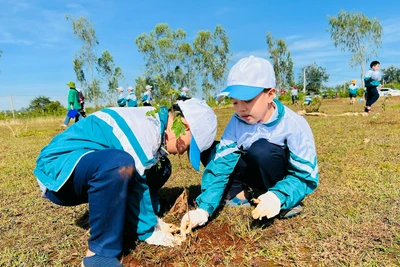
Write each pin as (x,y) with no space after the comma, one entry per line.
(286,129)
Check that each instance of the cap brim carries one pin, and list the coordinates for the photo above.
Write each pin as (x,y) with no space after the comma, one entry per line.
(241,92)
(194,155)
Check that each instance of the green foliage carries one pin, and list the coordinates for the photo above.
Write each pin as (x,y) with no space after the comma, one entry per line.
(111,74)
(211,58)
(315,77)
(39,104)
(86,56)
(169,59)
(314,106)
(178,127)
(357,34)
(391,75)
(282,61)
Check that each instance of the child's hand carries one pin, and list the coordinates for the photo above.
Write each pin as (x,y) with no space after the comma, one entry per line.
(161,238)
(193,219)
(166,227)
(269,206)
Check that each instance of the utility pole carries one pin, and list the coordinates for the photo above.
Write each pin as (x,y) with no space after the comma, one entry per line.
(12,106)
(304,80)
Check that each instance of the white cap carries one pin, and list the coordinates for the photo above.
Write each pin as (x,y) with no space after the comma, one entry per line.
(185,89)
(249,77)
(148,87)
(203,126)
(120,89)
(129,88)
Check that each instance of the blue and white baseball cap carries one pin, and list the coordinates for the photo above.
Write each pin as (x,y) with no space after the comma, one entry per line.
(249,77)
(203,126)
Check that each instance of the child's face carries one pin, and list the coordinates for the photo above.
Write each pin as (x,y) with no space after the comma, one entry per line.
(180,145)
(376,67)
(257,109)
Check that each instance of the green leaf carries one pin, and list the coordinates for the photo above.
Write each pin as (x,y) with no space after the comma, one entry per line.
(178,127)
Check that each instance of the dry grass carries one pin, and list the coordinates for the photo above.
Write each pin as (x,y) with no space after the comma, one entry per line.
(351,220)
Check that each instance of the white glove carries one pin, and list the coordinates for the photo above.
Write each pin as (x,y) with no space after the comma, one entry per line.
(165,227)
(161,238)
(192,219)
(269,206)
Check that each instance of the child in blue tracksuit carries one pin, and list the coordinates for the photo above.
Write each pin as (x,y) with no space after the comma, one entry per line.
(372,81)
(121,102)
(131,99)
(353,92)
(105,161)
(265,146)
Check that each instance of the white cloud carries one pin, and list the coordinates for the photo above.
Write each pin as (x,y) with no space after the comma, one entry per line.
(391,30)
(308,44)
(8,38)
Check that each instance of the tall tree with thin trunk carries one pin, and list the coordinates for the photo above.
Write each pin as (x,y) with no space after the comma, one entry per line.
(86,55)
(355,33)
(168,59)
(110,73)
(281,60)
(211,58)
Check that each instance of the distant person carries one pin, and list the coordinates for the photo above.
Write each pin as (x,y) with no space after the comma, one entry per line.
(353,88)
(109,160)
(73,105)
(265,146)
(147,98)
(184,94)
(372,81)
(295,94)
(121,102)
(82,110)
(131,99)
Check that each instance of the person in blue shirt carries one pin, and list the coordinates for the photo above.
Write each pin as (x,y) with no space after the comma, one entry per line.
(121,102)
(147,97)
(107,160)
(353,88)
(184,94)
(372,82)
(265,147)
(131,99)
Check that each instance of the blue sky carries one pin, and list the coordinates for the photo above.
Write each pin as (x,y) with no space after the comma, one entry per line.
(38,43)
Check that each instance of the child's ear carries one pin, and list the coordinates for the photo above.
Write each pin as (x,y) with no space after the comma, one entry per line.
(271,93)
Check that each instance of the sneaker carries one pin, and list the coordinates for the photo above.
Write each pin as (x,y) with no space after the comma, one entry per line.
(63,125)
(236,202)
(291,212)
(96,260)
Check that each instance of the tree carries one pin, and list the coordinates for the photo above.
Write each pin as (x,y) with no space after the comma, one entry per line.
(111,74)
(39,104)
(357,34)
(168,59)
(315,77)
(54,107)
(86,56)
(282,61)
(391,74)
(211,58)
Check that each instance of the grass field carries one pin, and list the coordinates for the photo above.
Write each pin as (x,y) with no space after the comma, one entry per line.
(352,219)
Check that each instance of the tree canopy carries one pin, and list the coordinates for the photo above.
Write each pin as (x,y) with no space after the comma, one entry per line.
(355,33)
(315,77)
(171,62)
(281,60)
